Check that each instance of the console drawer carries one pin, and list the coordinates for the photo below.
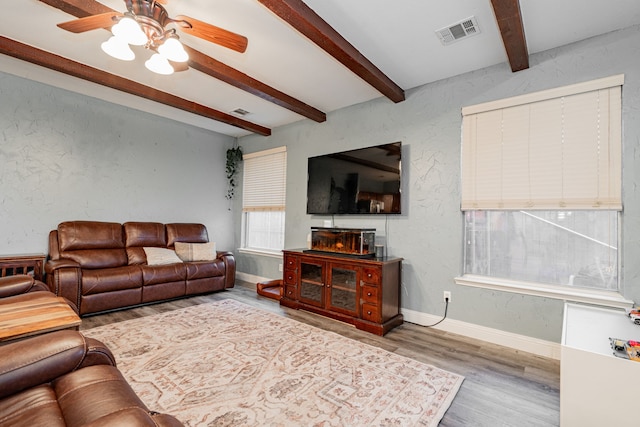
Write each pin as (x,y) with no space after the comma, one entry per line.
(289,292)
(290,262)
(370,294)
(371,275)
(289,277)
(371,312)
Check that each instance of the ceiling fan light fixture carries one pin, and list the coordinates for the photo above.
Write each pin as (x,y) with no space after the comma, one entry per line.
(118,49)
(173,50)
(159,64)
(129,30)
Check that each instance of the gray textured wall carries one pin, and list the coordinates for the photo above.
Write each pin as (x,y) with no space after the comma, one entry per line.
(428,235)
(65,156)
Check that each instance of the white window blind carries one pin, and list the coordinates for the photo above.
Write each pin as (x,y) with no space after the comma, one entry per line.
(556,149)
(264,180)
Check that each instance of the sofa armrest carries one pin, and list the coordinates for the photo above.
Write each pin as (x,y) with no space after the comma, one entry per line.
(230,268)
(97,354)
(19,284)
(64,278)
(43,358)
(52,265)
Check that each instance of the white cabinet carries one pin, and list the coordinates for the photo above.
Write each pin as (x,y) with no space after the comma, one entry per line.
(596,387)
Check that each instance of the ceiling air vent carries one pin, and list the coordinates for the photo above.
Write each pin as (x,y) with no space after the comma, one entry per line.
(240,112)
(452,33)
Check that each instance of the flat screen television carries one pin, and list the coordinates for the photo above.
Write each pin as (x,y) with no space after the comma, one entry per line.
(361,181)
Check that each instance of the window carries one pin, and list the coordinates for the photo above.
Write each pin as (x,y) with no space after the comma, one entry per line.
(541,187)
(573,248)
(263,200)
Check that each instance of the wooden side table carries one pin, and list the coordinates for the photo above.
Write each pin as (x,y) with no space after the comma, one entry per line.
(32,264)
(36,316)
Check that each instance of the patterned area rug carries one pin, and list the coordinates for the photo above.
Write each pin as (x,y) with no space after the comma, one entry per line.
(229,364)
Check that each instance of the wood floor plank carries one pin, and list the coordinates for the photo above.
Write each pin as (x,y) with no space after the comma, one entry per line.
(502,386)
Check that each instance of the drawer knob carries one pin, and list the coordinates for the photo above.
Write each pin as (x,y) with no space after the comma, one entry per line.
(369,275)
(368,294)
(369,313)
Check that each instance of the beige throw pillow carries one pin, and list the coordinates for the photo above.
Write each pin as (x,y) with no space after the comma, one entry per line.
(196,251)
(160,256)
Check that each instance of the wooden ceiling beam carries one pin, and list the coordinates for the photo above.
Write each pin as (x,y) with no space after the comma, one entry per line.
(207,65)
(79,8)
(214,68)
(509,19)
(67,66)
(311,25)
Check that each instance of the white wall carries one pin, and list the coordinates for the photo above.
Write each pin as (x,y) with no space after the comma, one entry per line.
(428,235)
(65,156)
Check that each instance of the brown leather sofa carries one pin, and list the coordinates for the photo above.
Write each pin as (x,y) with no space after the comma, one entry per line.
(102,266)
(65,379)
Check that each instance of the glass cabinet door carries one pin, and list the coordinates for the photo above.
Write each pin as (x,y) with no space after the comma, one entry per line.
(343,281)
(312,283)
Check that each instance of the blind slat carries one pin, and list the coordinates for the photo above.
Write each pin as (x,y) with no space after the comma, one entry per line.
(264,181)
(559,153)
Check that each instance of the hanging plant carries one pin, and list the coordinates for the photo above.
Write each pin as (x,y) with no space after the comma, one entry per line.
(234,157)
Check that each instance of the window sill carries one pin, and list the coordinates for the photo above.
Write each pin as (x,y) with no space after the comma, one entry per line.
(262,252)
(589,296)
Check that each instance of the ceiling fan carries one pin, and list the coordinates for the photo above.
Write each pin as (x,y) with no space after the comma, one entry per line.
(147,23)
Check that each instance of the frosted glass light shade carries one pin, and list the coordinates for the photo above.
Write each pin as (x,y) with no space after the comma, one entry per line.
(159,64)
(129,30)
(118,48)
(173,50)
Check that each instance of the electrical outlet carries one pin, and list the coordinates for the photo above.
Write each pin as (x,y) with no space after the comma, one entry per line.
(447,296)
(280,267)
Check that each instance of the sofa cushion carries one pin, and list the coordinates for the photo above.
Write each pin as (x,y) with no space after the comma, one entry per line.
(35,406)
(136,256)
(140,234)
(154,274)
(89,394)
(111,279)
(76,235)
(97,258)
(144,234)
(199,270)
(161,256)
(196,251)
(92,244)
(186,232)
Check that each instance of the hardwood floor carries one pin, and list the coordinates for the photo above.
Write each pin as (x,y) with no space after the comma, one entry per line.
(502,386)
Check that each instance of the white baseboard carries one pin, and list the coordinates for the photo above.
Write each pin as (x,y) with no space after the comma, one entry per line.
(245,277)
(476,332)
(495,336)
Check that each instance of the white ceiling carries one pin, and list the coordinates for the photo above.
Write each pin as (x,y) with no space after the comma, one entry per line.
(397,36)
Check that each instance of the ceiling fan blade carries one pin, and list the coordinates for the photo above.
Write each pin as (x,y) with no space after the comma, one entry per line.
(211,33)
(103,20)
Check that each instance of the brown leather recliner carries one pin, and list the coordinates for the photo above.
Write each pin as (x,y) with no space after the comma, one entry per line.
(21,287)
(20,284)
(65,379)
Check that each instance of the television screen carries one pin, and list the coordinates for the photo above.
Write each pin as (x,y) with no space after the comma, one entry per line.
(361,181)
